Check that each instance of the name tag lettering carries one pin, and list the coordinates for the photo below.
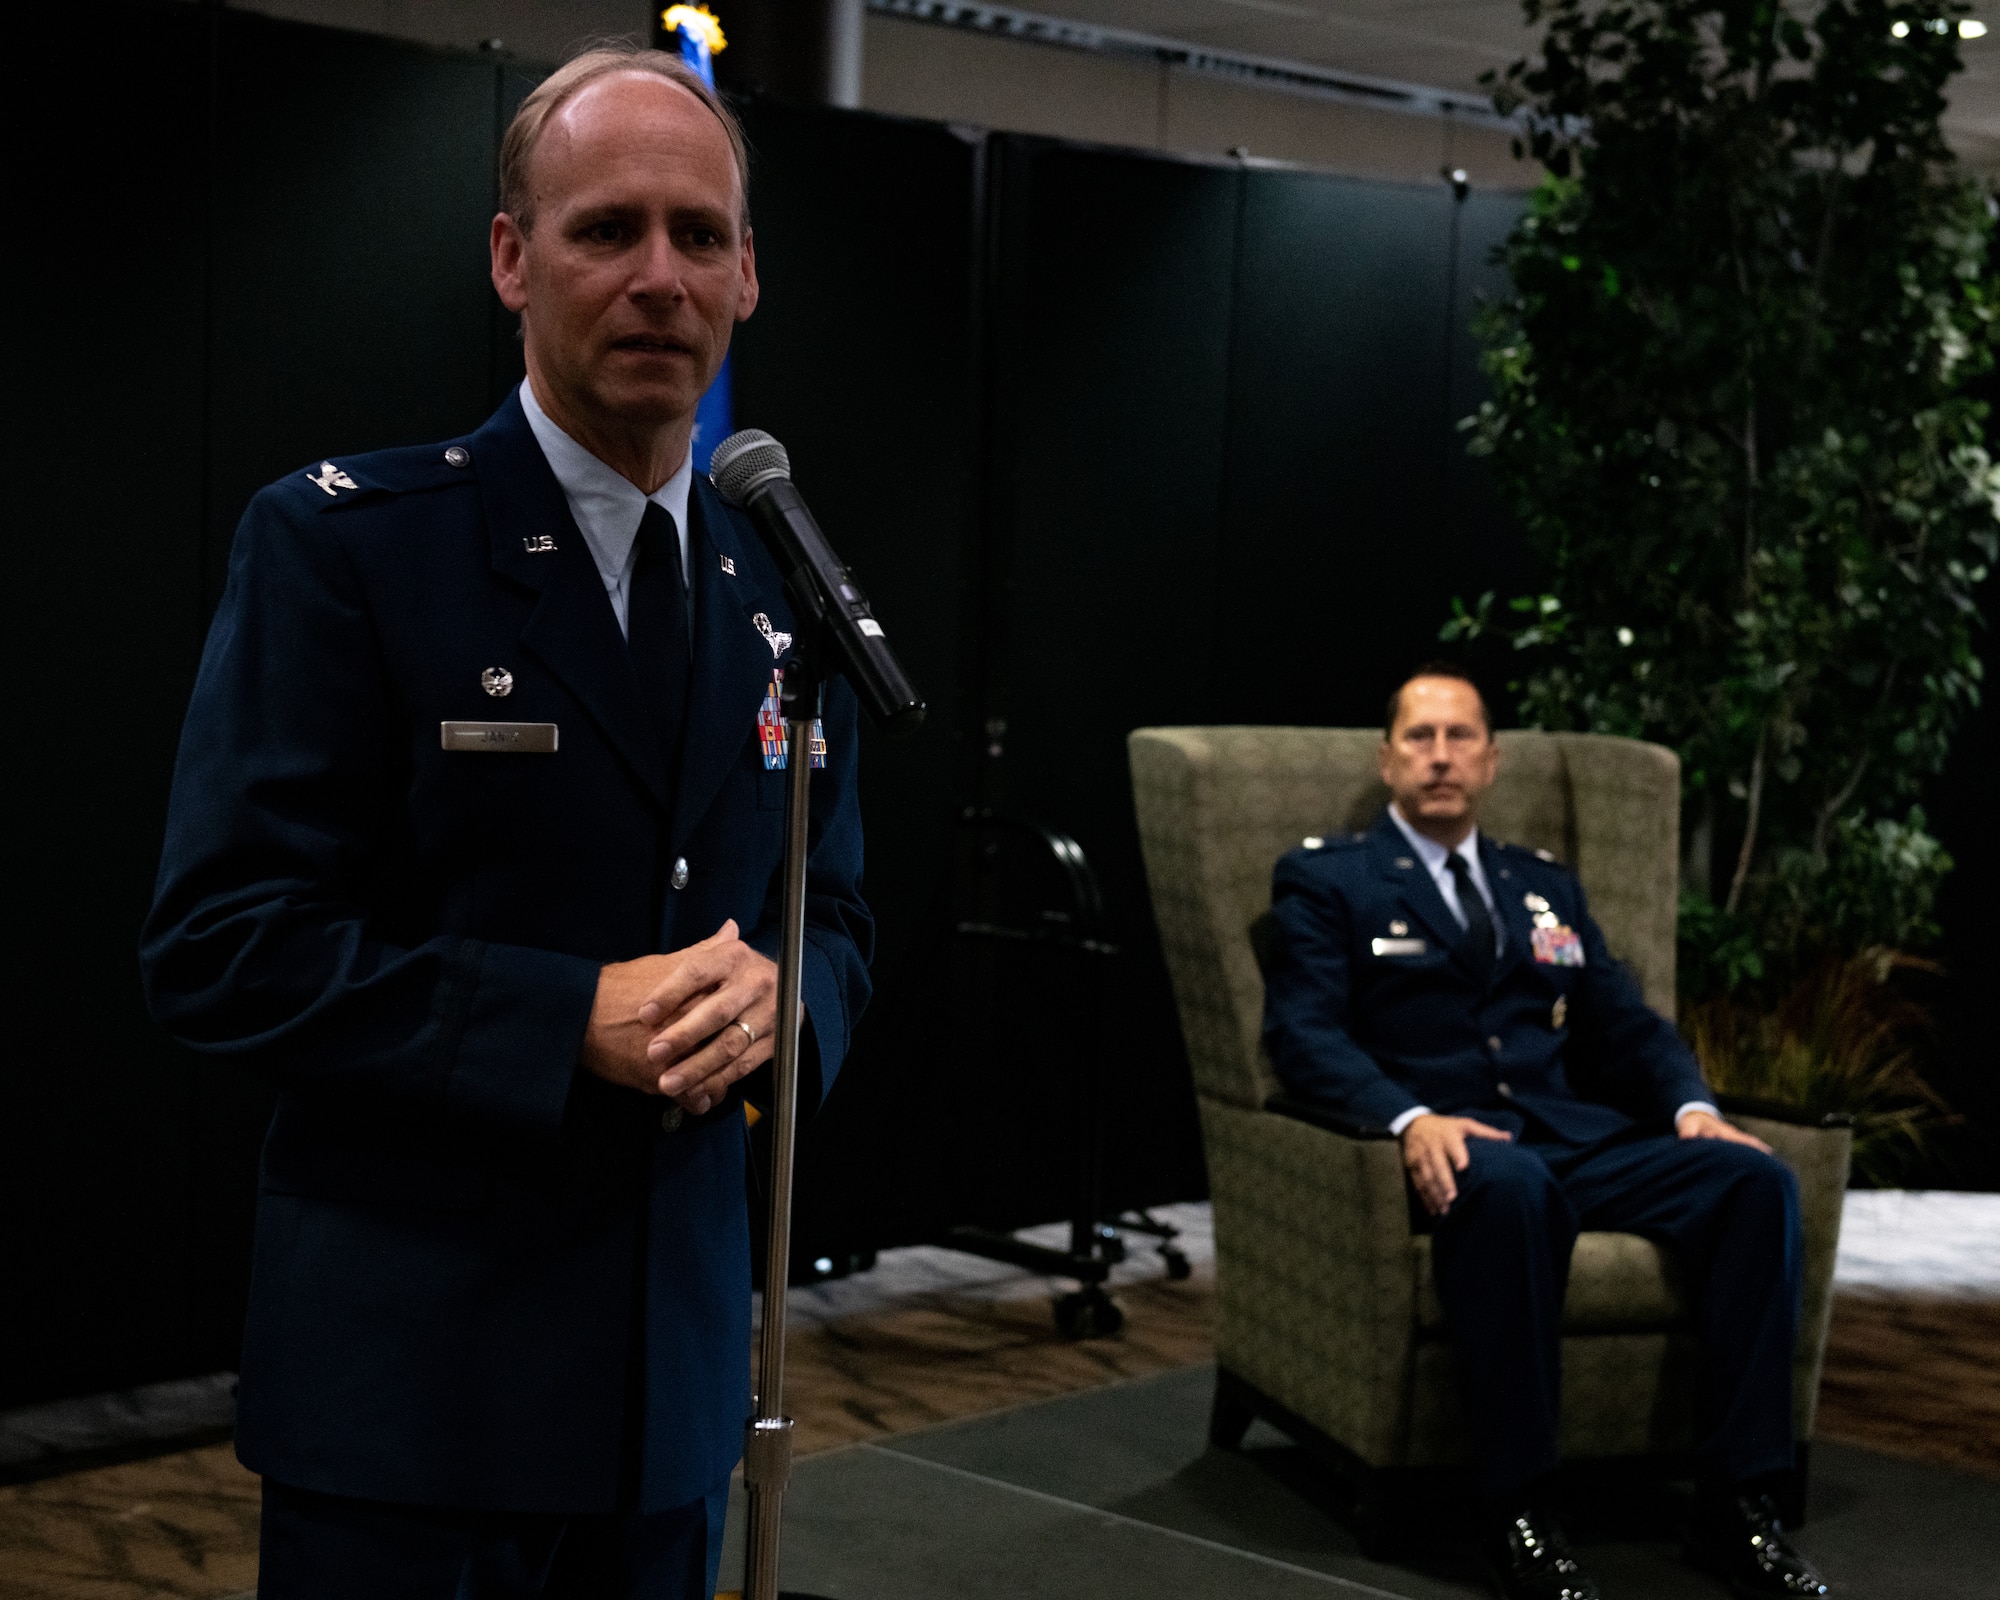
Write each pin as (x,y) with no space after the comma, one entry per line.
(499,738)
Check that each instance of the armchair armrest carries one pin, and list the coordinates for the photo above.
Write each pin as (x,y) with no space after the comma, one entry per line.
(1315,1274)
(1817,1149)
(1326,1117)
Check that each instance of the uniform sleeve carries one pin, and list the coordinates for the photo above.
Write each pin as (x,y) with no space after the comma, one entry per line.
(1618,1038)
(1306,995)
(286,789)
(840,932)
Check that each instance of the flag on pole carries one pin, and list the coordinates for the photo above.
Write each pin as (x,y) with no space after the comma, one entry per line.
(694,31)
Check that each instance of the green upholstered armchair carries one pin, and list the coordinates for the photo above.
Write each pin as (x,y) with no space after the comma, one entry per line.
(1328,1324)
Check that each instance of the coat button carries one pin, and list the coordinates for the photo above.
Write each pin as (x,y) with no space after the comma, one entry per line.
(679,877)
(1493,1043)
(457,456)
(1507,1090)
(671,1118)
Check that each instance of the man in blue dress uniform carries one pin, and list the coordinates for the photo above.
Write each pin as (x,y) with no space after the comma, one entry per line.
(1454,990)
(473,850)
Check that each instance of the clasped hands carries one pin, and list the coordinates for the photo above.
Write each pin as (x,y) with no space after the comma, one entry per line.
(669,1024)
(1434,1149)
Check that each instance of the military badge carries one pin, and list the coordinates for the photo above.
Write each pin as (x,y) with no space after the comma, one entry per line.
(1556,945)
(1559,1012)
(331,479)
(778,641)
(772,739)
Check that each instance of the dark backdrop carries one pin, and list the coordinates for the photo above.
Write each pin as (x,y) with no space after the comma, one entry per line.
(1113,439)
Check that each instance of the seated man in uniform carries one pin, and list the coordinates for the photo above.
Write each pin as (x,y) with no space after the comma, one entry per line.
(1427,979)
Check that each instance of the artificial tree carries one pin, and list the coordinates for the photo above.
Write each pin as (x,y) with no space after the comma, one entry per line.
(1734,414)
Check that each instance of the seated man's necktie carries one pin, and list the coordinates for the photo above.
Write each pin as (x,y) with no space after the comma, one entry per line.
(1478,920)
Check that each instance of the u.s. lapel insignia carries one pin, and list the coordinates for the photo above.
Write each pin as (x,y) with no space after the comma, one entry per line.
(773,739)
(331,478)
(1405,863)
(728,567)
(779,642)
(540,545)
(1559,1012)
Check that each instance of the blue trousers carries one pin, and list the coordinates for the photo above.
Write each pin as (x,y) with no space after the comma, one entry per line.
(326,1547)
(1500,1257)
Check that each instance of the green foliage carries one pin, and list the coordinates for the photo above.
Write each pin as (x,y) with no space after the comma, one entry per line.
(1730,412)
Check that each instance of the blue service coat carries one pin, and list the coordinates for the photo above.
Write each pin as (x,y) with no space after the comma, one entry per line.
(472,1258)
(1372,1006)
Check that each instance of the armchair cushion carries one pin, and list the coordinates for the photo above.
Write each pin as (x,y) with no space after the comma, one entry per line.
(1618,1283)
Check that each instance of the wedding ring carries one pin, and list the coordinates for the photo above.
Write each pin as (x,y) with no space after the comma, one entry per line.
(749,1032)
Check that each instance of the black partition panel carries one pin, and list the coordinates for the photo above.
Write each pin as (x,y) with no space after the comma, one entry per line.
(1112,333)
(353,184)
(99,1115)
(285,260)
(1112,438)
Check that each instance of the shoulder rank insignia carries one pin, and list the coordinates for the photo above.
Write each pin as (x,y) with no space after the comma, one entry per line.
(1312,841)
(1545,855)
(773,738)
(779,642)
(331,478)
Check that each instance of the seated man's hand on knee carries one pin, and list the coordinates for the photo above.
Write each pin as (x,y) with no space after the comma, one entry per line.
(1706,1125)
(1434,1150)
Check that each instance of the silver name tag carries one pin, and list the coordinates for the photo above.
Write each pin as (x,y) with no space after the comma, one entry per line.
(1397,947)
(500,738)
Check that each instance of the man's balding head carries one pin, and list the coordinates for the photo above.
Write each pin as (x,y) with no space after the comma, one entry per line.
(524,133)
(628,257)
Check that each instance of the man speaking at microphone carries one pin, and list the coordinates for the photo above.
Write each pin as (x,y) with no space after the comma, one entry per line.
(473,851)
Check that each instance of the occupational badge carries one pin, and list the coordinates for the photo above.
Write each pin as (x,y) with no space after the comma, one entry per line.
(779,642)
(497,681)
(773,739)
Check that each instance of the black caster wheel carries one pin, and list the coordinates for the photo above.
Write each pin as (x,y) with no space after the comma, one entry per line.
(1088,1314)
(1177,1264)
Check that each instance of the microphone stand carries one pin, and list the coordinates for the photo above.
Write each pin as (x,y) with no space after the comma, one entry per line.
(767,1437)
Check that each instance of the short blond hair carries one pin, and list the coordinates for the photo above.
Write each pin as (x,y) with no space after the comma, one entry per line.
(517,149)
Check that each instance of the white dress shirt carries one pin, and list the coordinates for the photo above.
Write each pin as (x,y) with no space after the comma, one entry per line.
(608,506)
(1437,861)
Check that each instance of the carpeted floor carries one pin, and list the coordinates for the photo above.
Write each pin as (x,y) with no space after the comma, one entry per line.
(185,1524)
(1112,1494)
(1912,1372)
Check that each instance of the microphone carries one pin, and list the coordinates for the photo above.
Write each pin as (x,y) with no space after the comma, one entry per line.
(751,469)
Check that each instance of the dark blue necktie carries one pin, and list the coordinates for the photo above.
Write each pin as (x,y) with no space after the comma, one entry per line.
(656,627)
(1478,920)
